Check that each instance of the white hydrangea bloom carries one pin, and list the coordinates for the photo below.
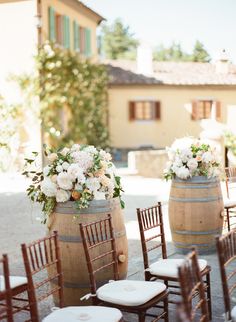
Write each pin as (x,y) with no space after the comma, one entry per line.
(65,165)
(59,168)
(64,181)
(75,147)
(185,155)
(74,171)
(192,164)
(183,173)
(93,184)
(48,187)
(90,149)
(46,170)
(83,159)
(207,157)
(62,195)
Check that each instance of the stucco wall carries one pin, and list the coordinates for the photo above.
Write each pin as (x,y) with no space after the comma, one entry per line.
(70,11)
(175,113)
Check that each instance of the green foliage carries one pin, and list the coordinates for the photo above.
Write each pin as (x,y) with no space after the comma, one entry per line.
(118,42)
(230,141)
(200,54)
(176,53)
(9,136)
(72,94)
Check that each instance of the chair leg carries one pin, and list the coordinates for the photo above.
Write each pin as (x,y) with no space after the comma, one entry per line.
(166,309)
(228,220)
(141,316)
(208,283)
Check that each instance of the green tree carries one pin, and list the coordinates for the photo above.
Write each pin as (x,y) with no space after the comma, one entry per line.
(172,53)
(117,41)
(199,53)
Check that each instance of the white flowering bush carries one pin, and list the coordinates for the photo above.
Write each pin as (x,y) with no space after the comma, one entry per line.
(190,157)
(81,173)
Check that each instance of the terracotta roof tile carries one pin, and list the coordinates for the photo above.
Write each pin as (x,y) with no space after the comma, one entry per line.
(170,73)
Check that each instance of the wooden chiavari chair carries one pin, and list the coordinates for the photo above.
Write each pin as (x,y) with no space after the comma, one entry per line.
(44,254)
(6,310)
(127,295)
(191,285)
(226,250)
(230,201)
(152,235)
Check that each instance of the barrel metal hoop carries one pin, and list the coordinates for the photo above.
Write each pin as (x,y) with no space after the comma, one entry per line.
(209,199)
(78,239)
(195,186)
(184,245)
(190,232)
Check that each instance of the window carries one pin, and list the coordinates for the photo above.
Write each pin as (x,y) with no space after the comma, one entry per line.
(205,109)
(85,41)
(144,110)
(59,28)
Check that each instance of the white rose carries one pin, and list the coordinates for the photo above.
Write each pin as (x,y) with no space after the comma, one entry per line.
(207,157)
(48,187)
(192,164)
(59,168)
(99,195)
(64,181)
(62,195)
(65,165)
(52,157)
(93,184)
(64,151)
(74,171)
(90,149)
(183,173)
(75,147)
(46,170)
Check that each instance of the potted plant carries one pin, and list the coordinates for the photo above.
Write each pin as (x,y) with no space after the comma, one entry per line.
(195,201)
(78,184)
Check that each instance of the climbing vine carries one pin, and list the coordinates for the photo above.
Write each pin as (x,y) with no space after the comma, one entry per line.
(72,95)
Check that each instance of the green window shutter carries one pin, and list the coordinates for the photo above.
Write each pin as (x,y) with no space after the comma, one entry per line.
(66,32)
(76,36)
(52,24)
(87,42)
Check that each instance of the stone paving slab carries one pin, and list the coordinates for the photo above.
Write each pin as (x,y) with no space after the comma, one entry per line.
(19,223)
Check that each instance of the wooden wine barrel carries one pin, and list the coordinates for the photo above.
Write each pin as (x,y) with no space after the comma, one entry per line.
(74,267)
(195,213)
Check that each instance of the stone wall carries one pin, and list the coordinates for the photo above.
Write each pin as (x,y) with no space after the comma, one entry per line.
(148,163)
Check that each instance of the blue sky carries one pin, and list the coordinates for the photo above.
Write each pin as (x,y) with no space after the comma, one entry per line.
(213,22)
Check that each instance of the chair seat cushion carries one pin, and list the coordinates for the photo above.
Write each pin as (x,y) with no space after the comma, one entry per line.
(14,281)
(233,314)
(169,267)
(84,313)
(130,293)
(229,202)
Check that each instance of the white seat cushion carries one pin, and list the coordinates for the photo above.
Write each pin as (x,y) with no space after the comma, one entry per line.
(229,202)
(130,293)
(84,313)
(233,314)
(14,281)
(169,267)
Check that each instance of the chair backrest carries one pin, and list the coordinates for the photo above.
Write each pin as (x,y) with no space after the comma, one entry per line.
(230,173)
(151,231)
(226,249)
(39,256)
(194,301)
(100,249)
(6,311)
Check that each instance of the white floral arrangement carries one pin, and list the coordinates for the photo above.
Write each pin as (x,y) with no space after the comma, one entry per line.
(190,157)
(81,173)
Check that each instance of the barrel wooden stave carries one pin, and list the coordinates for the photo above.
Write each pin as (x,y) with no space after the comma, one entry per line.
(74,267)
(195,213)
